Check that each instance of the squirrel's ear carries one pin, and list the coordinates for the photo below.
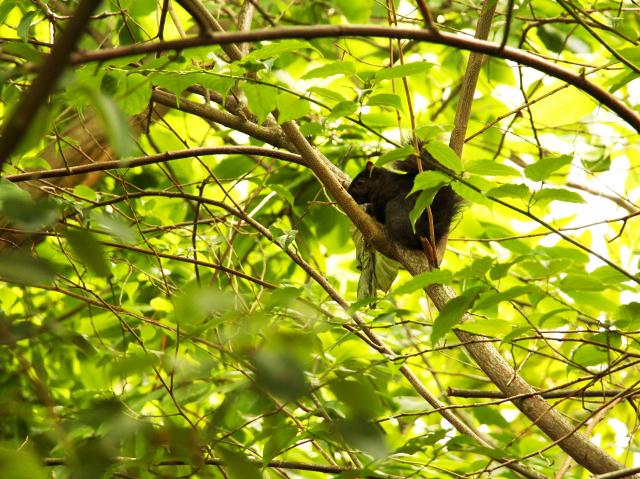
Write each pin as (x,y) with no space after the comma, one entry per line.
(370,166)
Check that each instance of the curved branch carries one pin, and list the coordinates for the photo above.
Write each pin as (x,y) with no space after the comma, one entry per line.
(269,135)
(153,159)
(325,31)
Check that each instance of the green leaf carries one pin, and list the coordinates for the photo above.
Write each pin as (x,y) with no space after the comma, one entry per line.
(396,154)
(428,180)
(463,443)
(386,99)
(37,129)
(589,355)
(468,193)
(364,435)
(275,49)
(490,168)
(547,195)
(422,280)
(283,193)
(478,268)
(136,95)
(84,191)
(355,11)
(279,439)
(519,191)
(283,238)
(344,108)
(599,164)
(115,227)
(608,338)
(238,465)
(89,251)
(253,66)
(262,99)
(609,276)
(132,365)
(581,282)
(24,26)
(161,304)
(20,463)
(445,156)
(628,316)
(280,374)
(351,392)
(291,107)
(22,268)
(515,333)
(22,50)
(380,119)
(335,68)
(326,93)
(420,443)
(175,82)
(452,313)
(621,79)
(553,38)
(545,167)
(24,212)
(492,298)
(376,270)
(5,9)
(234,166)
(631,54)
(425,198)
(196,304)
(405,70)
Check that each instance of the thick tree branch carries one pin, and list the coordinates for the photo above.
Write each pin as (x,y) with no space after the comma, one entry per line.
(270,135)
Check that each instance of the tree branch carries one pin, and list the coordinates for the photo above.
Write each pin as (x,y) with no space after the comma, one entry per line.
(469,82)
(325,31)
(562,394)
(153,159)
(294,465)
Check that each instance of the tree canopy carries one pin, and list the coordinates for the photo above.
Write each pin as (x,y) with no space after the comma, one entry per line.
(189,291)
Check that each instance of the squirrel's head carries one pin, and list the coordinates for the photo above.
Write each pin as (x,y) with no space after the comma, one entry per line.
(361,186)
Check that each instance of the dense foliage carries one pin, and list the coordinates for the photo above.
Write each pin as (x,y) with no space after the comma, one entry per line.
(192,315)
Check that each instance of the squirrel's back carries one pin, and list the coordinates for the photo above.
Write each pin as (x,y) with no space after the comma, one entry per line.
(387,192)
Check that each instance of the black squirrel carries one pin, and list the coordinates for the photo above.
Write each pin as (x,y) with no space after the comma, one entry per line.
(387,192)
